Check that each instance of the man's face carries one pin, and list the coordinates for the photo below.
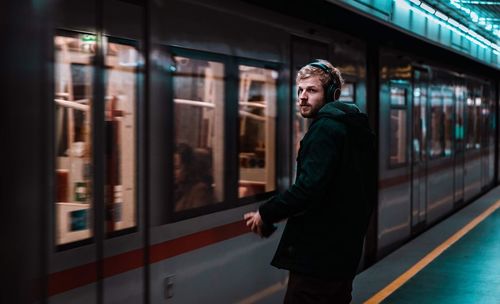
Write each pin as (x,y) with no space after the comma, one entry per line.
(311,96)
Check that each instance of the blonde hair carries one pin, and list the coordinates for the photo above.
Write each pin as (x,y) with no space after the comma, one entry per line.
(325,77)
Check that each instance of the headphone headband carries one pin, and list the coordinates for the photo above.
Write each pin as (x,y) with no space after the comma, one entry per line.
(334,86)
(321,66)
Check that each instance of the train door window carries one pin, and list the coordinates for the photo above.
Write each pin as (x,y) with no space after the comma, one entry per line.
(398,125)
(448,101)
(460,94)
(473,115)
(257,130)
(73,136)
(419,119)
(198,157)
(121,61)
(348,93)
(436,148)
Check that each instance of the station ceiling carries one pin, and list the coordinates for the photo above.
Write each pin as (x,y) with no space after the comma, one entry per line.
(481,16)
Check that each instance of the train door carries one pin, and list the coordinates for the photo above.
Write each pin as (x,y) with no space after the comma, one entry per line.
(472,166)
(303,52)
(486,139)
(459,145)
(98,245)
(123,224)
(419,148)
(74,238)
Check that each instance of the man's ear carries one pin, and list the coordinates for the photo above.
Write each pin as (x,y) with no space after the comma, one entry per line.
(336,94)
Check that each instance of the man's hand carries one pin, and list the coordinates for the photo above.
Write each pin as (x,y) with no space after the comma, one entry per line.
(254,222)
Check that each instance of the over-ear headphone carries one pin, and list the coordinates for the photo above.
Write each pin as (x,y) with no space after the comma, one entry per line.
(334,85)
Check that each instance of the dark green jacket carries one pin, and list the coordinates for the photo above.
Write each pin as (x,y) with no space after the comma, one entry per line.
(329,205)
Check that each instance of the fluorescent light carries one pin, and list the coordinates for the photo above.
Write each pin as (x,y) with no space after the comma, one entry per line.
(453,22)
(402,4)
(427,8)
(415,2)
(441,15)
(463,28)
(474,17)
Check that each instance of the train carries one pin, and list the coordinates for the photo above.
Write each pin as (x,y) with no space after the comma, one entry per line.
(165,121)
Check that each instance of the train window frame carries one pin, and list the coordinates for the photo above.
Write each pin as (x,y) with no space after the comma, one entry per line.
(176,216)
(231,130)
(52,207)
(406,86)
(137,134)
(277,67)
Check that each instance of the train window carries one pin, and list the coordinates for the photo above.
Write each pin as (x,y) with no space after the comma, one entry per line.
(398,137)
(121,60)
(257,130)
(73,73)
(436,148)
(348,93)
(419,121)
(460,94)
(198,156)
(398,96)
(448,100)
(473,119)
(398,133)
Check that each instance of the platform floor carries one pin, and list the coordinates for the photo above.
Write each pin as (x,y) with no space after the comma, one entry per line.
(457,261)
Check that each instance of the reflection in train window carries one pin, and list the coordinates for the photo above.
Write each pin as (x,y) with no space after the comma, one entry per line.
(473,119)
(436,148)
(121,62)
(448,100)
(398,137)
(398,96)
(73,137)
(257,117)
(419,121)
(199,133)
(398,133)
(460,94)
(348,92)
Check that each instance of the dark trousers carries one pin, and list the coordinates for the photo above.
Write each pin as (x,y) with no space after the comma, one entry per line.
(305,289)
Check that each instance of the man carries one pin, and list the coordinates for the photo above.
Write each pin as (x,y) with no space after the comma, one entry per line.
(329,205)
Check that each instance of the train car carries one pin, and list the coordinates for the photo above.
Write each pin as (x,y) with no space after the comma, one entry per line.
(166,120)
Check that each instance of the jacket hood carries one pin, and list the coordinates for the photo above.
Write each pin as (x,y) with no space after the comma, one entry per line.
(349,114)
(344,112)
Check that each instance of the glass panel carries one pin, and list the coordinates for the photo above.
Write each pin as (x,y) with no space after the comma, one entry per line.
(398,137)
(460,93)
(121,62)
(473,116)
(257,106)
(419,121)
(448,100)
(73,136)
(437,123)
(199,133)
(398,96)
(348,92)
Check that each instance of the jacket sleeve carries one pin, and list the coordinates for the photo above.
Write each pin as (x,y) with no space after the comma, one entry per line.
(319,158)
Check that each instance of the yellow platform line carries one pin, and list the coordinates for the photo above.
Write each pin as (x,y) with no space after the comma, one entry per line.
(394,285)
(264,293)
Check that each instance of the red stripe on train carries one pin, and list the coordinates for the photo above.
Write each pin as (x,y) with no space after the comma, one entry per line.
(72,278)
(79,276)
(195,241)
